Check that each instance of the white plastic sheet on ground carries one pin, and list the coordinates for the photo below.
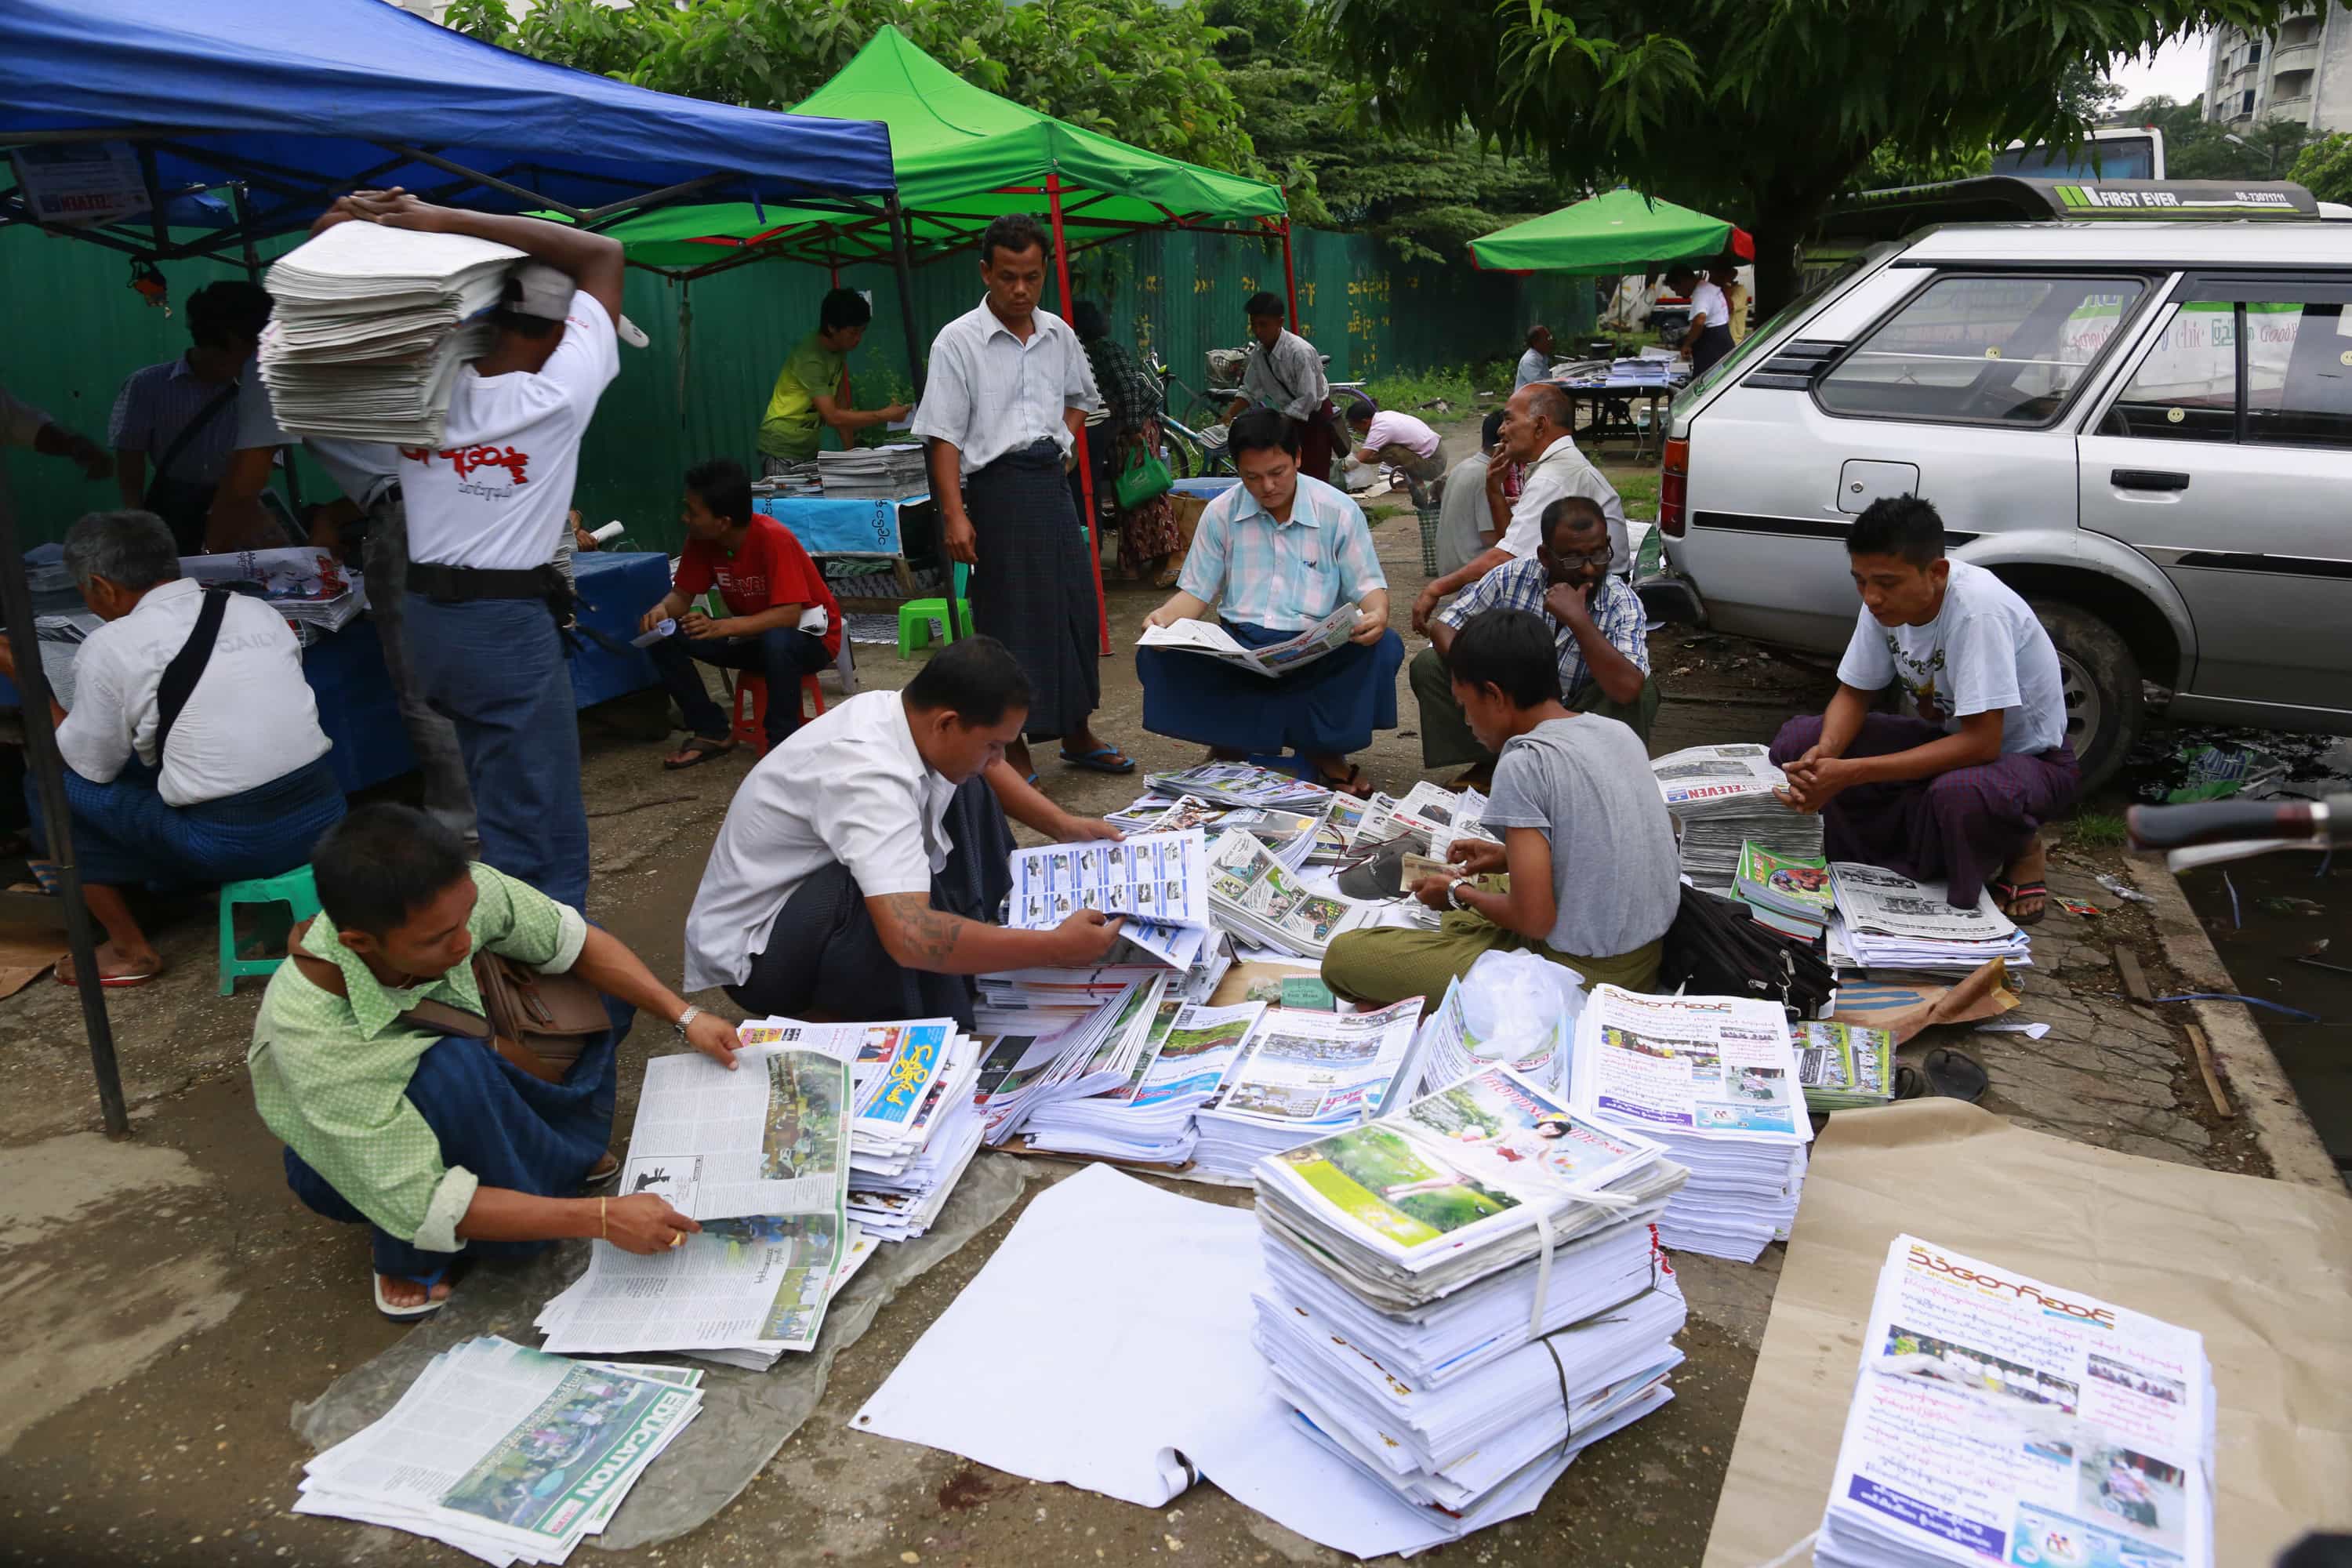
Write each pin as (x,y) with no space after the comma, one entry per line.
(1121,1313)
(746,1415)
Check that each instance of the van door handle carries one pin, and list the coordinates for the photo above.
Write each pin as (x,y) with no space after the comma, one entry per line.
(2147,479)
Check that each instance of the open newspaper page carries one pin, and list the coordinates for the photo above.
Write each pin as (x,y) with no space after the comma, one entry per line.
(502,1451)
(1256,896)
(2001,1419)
(1305,1068)
(1156,877)
(761,1281)
(1455,1168)
(1192,1051)
(1705,777)
(1879,902)
(1208,637)
(1705,1065)
(892,1066)
(770,1138)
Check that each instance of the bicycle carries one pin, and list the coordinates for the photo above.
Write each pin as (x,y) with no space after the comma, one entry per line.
(1192,452)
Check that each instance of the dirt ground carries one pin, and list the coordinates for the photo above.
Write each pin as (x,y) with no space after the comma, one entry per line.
(169,1300)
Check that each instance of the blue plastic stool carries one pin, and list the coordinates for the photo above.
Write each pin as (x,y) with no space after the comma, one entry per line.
(293,888)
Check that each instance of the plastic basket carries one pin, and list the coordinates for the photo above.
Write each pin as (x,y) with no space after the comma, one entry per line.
(1429,516)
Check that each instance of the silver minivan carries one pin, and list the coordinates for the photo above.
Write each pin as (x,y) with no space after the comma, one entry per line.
(2144,427)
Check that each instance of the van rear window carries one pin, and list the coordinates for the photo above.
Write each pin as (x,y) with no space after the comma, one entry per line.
(1983,350)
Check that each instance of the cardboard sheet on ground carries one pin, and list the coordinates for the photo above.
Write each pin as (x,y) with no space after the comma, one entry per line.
(1121,1315)
(746,1415)
(2260,1267)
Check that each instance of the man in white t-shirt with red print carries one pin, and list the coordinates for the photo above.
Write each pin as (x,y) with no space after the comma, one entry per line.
(486,507)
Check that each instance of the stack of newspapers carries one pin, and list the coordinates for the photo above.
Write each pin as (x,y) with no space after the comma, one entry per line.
(1145,1116)
(1844,1066)
(761,1156)
(1714,1080)
(1293,835)
(1035,1057)
(1721,798)
(1077,991)
(885,473)
(1998,1418)
(1239,783)
(1463,1294)
(1264,902)
(1888,921)
(371,327)
(506,1453)
(1305,1073)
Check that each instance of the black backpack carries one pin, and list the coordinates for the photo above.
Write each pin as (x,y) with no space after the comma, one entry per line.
(1715,949)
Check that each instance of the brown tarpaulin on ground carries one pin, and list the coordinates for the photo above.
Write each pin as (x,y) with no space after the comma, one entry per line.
(2261,1269)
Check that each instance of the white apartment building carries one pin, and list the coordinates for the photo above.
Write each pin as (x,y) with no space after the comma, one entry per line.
(2302,72)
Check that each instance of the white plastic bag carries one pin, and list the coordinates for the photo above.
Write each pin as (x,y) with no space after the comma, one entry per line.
(1520,1009)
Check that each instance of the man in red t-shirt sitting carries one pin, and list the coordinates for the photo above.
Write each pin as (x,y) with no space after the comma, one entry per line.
(781,621)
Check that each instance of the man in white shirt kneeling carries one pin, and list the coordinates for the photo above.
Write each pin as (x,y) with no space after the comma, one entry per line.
(193,751)
(864,860)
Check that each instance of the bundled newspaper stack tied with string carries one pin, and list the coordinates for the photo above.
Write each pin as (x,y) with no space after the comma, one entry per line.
(1721,798)
(1886,921)
(1463,1294)
(373,325)
(509,1454)
(1714,1080)
(2000,1419)
(761,1156)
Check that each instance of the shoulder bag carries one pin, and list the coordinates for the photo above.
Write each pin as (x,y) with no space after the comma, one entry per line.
(182,503)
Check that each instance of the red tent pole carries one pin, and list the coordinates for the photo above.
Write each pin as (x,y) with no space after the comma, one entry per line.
(1289,277)
(1086,468)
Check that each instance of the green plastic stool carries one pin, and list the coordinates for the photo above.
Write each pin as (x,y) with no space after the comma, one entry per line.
(918,617)
(294,888)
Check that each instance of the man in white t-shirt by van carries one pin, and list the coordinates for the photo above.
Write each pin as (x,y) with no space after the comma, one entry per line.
(486,509)
(1957,794)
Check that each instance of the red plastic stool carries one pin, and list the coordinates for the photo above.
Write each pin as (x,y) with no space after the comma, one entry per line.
(751,728)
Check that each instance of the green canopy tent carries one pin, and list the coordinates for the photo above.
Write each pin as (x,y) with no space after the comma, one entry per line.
(963,156)
(1618,232)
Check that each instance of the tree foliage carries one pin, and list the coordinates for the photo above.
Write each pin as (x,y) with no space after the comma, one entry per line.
(1348,166)
(2325,168)
(1135,69)
(1761,113)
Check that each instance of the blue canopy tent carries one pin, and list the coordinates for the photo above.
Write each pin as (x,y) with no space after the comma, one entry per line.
(168,128)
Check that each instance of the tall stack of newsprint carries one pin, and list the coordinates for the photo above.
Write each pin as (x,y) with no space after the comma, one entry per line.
(1416,1262)
(2003,1419)
(1714,1080)
(1888,921)
(1722,797)
(1305,1073)
(761,1156)
(372,325)
(885,473)
(506,1453)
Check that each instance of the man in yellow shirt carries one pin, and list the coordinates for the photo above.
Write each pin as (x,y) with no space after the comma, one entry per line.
(808,394)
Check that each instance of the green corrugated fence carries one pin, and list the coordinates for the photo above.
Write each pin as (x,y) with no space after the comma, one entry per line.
(699,389)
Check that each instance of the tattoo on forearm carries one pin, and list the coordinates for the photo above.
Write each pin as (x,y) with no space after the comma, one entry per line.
(930,933)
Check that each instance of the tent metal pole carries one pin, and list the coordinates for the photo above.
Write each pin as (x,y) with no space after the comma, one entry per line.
(244,231)
(1086,464)
(50,780)
(1289,276)
(898,265)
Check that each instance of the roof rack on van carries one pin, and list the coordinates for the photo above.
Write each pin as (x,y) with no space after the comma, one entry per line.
(2013,198)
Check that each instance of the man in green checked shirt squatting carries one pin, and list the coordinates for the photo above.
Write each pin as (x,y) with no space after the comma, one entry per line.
(441,1143)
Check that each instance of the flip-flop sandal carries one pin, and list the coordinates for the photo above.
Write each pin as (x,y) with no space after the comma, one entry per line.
(1956,1075)
(1351,784)
(416,1314)
(1910,1083)
(113,982)
(2008,893)
(1100,760)
(698,750)
(44,872)
(602,1171)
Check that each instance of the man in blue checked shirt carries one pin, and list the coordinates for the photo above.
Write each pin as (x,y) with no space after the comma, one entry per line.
(1604,656)
(1278,553)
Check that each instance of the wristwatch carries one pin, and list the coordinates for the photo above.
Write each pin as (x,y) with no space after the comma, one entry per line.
(688,1016)
(1454,893)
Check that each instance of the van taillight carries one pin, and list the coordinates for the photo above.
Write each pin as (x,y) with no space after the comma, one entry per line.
(1673,490)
